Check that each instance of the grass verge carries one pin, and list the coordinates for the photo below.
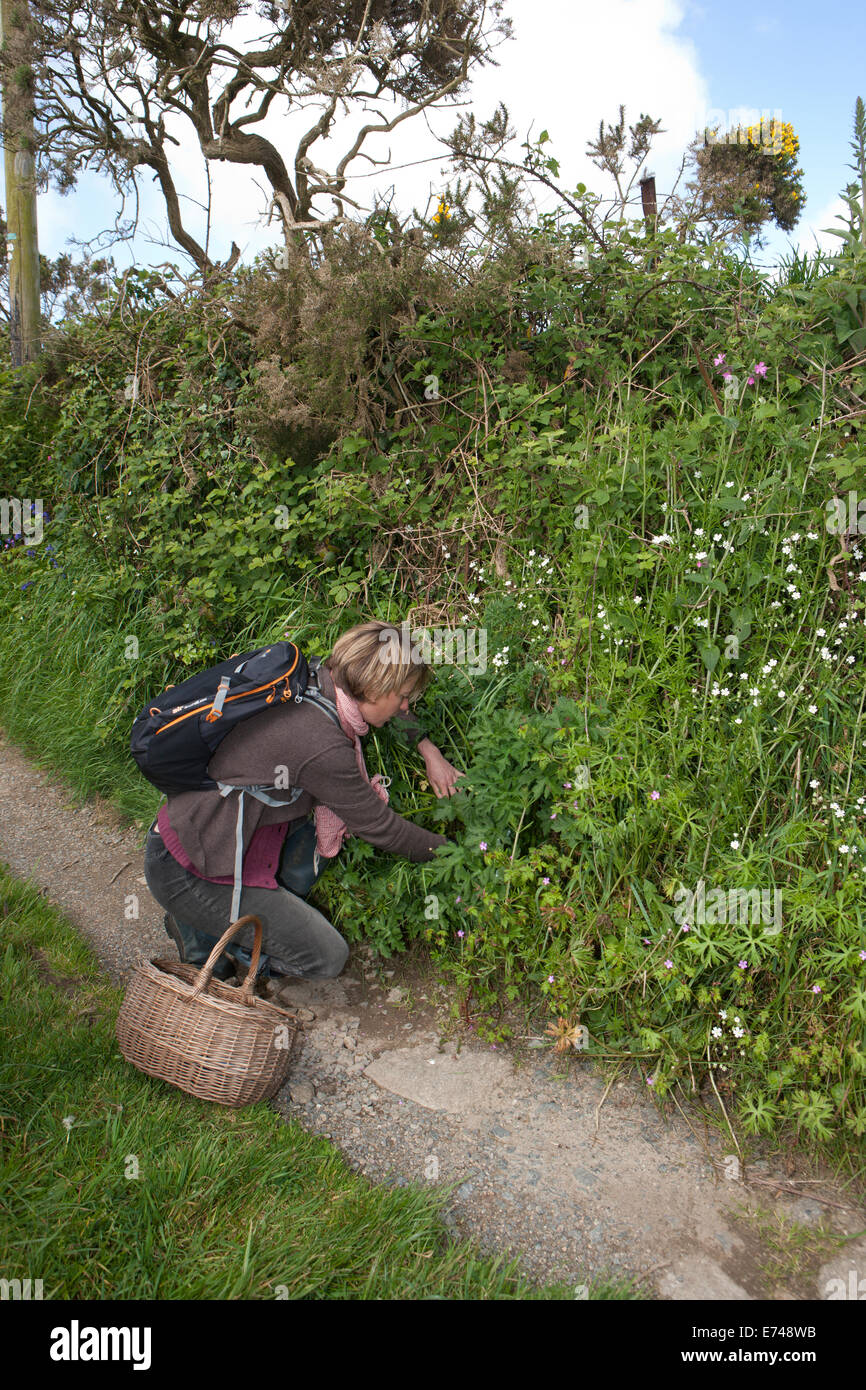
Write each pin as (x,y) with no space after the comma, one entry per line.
(116,1186)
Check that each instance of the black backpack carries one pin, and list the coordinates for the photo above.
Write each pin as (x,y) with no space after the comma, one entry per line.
(177,734)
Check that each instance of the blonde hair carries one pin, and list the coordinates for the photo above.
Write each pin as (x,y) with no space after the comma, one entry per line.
(376,659)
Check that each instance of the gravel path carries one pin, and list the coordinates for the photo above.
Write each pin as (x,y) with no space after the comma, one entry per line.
(550,1164)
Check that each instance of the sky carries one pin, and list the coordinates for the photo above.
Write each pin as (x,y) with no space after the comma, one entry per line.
(569,65)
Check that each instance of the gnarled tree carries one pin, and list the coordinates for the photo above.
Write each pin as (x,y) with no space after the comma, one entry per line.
(119,82)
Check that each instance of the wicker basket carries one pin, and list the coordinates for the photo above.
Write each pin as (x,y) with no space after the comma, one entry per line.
(213,1040)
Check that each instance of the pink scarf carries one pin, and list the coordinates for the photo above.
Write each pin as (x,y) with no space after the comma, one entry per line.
(330,830)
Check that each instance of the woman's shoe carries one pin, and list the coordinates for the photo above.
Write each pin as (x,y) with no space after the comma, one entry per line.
(301,865)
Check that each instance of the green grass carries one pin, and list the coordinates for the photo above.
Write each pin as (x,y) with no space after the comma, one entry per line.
(80,677)
(226,1205)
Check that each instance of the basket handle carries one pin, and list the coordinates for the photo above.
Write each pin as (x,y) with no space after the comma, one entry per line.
(206,971)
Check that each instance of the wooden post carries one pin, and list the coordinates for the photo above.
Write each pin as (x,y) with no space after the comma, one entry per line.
(20,170)
(650,211)
(648,202)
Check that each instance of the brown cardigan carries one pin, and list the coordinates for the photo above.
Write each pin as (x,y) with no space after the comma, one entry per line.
(318,757)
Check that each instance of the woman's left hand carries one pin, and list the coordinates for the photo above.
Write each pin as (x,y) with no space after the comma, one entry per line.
(442,774)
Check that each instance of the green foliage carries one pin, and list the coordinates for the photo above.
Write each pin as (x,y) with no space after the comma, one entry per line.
(621,466)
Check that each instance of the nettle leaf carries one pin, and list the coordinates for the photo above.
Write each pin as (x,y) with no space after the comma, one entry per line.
(718,584)
(710,654)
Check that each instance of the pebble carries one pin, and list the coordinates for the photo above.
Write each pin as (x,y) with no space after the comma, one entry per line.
(807,1211)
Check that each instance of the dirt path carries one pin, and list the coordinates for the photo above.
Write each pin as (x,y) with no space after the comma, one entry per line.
(574,1178)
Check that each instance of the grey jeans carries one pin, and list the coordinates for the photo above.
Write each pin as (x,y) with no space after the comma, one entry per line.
(298,939)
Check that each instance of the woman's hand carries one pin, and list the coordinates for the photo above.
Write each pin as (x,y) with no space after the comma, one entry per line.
(441,774)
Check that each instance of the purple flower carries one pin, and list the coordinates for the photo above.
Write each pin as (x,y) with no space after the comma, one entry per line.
(816,989)
(685,927)
(750,381)
(761,369)
(645,940)
(669,965)
(461,933)
(482,844)
(457,899)
(550,649)
(545,880)
(550,979)
(717,361)
(863,955)
(728,376)
(553,815)
(655,795)
(650,1081)
(742,964)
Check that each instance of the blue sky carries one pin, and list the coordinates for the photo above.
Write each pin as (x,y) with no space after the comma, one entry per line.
(570,64)
(808,60)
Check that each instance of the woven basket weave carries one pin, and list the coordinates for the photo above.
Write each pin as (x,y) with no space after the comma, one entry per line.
(210,1039)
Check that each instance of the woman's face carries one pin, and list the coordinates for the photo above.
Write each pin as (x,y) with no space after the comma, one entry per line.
(378,712)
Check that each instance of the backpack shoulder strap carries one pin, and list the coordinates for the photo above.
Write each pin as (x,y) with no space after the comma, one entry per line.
(314,696)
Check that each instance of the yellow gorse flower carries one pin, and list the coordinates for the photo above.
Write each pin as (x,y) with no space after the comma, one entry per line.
(443,213)
(778,136)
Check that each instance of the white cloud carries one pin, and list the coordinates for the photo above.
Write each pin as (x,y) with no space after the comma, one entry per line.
(572,65)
